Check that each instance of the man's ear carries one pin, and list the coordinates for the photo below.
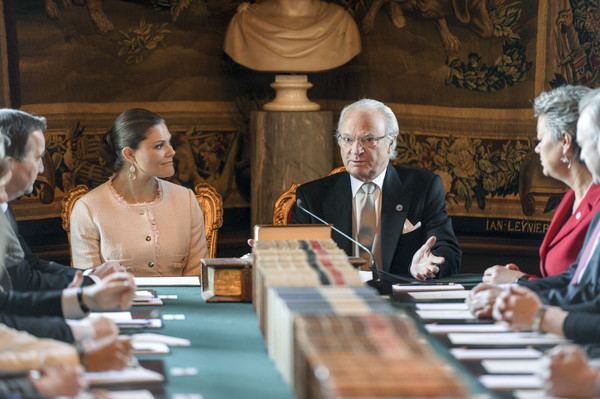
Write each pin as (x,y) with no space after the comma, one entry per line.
(128,154)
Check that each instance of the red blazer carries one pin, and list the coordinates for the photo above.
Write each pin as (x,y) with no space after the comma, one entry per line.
(566,232)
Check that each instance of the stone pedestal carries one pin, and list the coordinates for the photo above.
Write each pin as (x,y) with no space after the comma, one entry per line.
(287,147)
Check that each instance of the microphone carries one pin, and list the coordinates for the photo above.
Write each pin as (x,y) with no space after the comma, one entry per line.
(372,265)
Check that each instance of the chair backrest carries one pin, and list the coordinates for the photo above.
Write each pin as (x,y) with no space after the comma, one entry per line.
(71,197)
(211,204)
(208,198)
(282,210)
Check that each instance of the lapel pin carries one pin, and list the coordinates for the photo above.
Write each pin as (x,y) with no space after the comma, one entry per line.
(399,208)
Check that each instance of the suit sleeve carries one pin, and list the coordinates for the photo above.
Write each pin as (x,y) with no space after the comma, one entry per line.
(299,217)
(558,290)
(582,327)
(436,222)
(33,303)
(85,237)
(542,285)
(41,327)
(17,387)
(33,273)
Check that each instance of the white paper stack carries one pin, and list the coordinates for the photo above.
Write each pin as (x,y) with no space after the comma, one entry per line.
(441,329)
(129,375)
(426,287)
(506,339)
(439,295)
(478,354)
(189,281)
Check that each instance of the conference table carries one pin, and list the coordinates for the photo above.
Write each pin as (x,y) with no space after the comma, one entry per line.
(227,356)
(227,350)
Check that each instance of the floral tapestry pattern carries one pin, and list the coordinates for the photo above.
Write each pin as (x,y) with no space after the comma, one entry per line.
(471,169)
(76,158)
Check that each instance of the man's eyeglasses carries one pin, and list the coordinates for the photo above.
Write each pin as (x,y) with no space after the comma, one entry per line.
(364,141)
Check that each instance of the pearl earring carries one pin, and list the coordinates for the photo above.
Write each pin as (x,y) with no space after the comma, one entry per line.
(132,171)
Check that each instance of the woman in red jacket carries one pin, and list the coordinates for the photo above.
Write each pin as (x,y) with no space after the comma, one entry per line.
(557,114)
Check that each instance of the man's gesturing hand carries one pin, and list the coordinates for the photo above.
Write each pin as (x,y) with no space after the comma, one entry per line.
(425,264)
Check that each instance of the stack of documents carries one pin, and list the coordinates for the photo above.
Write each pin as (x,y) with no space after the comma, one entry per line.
(124,320)
(146,298)
(155,344)
(426,287)
(184,281)
(130,375)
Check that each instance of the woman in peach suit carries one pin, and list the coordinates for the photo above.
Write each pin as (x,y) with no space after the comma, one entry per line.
(151,226)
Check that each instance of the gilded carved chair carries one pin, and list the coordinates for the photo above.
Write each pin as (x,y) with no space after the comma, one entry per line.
(208,198)
(283,206)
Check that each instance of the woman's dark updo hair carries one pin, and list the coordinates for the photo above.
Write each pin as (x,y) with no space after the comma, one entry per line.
(129,130)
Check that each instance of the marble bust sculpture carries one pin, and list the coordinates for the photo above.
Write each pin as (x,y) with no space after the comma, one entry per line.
(292,36)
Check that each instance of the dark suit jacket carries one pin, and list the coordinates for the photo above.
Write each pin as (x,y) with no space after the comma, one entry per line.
(422,197)
(34,273)
(42,327)
(558,290)
(31,303)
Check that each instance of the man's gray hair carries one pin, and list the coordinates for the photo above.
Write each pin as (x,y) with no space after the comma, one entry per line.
(560,107)
(392,127)
(590,104)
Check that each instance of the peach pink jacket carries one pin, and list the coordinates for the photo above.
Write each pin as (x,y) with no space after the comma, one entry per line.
(164,237)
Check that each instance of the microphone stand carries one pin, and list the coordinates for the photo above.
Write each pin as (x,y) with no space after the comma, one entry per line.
(372,264)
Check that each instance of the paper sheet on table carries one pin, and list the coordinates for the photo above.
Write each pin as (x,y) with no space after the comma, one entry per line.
(147,302)
(530,394)
(445,314)
(442,306)
(509,338)
(124,320)
(132,394)
(365,275)
(510,382)
(114,316)
(477,354)
(143,294)
(141,394)
(465,328)
(126,376)
(512,366)
(425,296)
(154,348)
(193,281)
(160,338)
(427,287)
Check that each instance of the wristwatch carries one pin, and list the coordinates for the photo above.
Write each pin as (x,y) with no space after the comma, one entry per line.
(538,318)
(82,305)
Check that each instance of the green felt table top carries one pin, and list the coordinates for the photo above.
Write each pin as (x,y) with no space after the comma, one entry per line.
(227,349)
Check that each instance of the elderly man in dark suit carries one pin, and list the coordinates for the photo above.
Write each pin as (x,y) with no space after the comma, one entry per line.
(397,212)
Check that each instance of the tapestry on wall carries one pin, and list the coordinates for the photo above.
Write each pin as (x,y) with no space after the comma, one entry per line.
(459,75)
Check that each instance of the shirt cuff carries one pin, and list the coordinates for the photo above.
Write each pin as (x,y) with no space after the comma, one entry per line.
(82,330)
(70,304)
